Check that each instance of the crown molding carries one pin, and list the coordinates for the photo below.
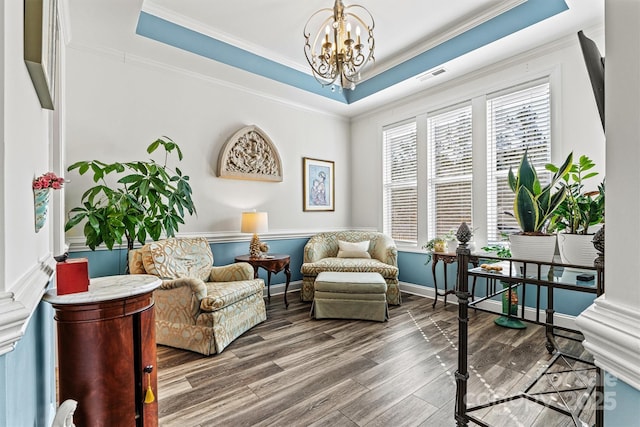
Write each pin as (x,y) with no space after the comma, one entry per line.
(150,7)
(141,61)
(612,335)
(17,306)
(453,29)
(489,70)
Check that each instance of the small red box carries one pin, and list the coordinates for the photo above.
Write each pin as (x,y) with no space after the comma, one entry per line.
(73,276)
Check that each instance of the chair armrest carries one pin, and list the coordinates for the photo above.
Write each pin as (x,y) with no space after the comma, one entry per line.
(385,250)
(231,272)
(196,286)
(178,300)
(315,250)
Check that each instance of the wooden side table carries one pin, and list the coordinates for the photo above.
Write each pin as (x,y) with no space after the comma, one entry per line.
(107,350)
(447,258)
(274,263)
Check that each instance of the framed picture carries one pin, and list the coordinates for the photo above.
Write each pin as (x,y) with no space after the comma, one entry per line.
(318,185)
(41,47)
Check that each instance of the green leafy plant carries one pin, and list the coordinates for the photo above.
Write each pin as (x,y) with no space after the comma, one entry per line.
(148,199)
(431,247)
(534,204)
(501,251)
(579,209)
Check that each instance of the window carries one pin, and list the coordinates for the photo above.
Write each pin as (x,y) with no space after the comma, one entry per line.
(400,182)
(450,170)
(516,121)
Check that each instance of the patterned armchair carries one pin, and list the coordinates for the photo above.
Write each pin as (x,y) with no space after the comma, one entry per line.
(321,254)
(199,307)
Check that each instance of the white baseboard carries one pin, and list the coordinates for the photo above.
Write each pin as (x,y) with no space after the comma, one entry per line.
(562,320)
(278,289)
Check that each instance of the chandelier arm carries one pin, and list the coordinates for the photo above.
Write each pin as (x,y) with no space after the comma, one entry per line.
(334,54)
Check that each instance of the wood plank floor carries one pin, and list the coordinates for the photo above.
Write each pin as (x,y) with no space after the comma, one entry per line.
(295,371)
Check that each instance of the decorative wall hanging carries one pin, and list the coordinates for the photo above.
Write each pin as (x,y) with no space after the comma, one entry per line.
(42,187)
(250,154)
(40,47)
(318,185)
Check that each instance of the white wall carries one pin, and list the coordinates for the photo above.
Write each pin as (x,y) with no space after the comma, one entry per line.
(611,326)
(115,108)
(26,145)
(576,124)
(27,388)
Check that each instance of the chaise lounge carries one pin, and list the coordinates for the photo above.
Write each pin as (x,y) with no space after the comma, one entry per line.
(199,307)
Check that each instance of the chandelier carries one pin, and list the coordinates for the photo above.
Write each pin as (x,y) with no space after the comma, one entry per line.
(331,50)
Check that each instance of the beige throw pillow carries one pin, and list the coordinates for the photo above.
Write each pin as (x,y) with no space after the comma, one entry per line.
(353,249)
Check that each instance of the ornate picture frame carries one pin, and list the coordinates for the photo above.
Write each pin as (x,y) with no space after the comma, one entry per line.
(318,185)
(41,34)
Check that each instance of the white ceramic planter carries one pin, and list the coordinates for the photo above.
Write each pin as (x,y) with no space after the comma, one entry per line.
(534,248)
(577,249)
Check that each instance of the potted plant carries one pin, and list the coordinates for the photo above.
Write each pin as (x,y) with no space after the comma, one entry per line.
(437,244)
(451,242)
(145,199)
(578,213)
(533,206)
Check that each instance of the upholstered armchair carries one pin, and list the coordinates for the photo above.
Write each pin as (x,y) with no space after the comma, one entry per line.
(199,307)
(321,253)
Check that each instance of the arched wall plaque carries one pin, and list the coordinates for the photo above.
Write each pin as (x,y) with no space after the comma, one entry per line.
(250,154)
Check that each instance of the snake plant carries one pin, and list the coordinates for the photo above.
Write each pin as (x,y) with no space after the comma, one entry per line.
(534,204)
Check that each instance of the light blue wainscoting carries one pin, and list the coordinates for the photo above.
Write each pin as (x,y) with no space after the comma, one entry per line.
(621,403)
(27,375)
(413,270)
(109,263)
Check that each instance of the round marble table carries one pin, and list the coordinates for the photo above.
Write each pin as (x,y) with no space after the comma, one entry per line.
(107,288)
(107,350)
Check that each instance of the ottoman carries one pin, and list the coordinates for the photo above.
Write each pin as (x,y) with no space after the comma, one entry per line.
(350,295)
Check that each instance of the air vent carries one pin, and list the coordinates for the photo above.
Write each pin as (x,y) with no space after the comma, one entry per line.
(431,73)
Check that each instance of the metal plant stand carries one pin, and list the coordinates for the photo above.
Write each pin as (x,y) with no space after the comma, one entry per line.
(568,384)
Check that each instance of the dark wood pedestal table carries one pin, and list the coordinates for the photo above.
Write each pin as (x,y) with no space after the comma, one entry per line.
(107,351)
(448,258)
(273,264)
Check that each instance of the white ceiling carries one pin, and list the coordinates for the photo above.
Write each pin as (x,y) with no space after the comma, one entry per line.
(273,29)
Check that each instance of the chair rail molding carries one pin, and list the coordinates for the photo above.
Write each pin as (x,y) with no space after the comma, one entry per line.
(612,335)
(78,243)
(18,305)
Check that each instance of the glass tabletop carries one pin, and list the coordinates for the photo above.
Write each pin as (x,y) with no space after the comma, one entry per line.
(555,274)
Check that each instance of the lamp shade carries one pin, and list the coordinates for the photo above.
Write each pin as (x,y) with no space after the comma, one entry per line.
(254,222)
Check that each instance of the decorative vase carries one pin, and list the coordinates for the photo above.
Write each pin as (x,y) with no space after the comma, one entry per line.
(534,248)
(452,245)
(577,249)
(41,206)
(509,308)
(439,246)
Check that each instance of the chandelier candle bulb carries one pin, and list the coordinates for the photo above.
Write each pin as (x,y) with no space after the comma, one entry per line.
(336,59)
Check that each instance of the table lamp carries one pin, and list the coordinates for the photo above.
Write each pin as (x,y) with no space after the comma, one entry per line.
(255,222)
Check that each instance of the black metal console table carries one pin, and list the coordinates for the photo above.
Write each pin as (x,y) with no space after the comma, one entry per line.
(534,275)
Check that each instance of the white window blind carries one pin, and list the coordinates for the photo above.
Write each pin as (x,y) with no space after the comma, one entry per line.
(400,182)
(516,121)
(450,170)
